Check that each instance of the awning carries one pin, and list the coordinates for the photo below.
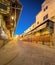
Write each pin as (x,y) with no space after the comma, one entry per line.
(41,27)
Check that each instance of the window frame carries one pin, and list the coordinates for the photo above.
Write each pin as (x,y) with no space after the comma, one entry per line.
(45,17)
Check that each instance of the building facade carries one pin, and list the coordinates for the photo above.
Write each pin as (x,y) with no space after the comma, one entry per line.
(44,28)
(9,14)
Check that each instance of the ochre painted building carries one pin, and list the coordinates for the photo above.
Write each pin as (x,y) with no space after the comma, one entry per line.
(43,29)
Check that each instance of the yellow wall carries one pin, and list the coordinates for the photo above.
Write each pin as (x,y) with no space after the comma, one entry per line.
(50,11)
(39,18)
(51,8)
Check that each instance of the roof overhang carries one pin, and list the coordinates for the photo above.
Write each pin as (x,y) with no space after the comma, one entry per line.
(39,27)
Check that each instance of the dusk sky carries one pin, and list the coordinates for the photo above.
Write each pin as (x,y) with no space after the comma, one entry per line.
(28,14)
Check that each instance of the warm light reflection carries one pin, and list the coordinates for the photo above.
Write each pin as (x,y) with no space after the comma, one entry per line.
(45,32)
(37,34)
(12,17)
(15,38)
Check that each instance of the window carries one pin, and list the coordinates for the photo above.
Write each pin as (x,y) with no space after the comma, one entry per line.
(38,22)
(45,8)
(45,17)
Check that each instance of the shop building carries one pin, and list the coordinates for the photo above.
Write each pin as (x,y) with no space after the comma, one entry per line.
(44,28)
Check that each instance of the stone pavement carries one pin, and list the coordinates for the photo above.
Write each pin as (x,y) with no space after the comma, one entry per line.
(8,53)
(25,53)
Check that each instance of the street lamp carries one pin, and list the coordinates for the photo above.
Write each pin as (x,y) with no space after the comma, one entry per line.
(12,17)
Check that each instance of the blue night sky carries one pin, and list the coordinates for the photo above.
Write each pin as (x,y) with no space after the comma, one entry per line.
(28,14)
